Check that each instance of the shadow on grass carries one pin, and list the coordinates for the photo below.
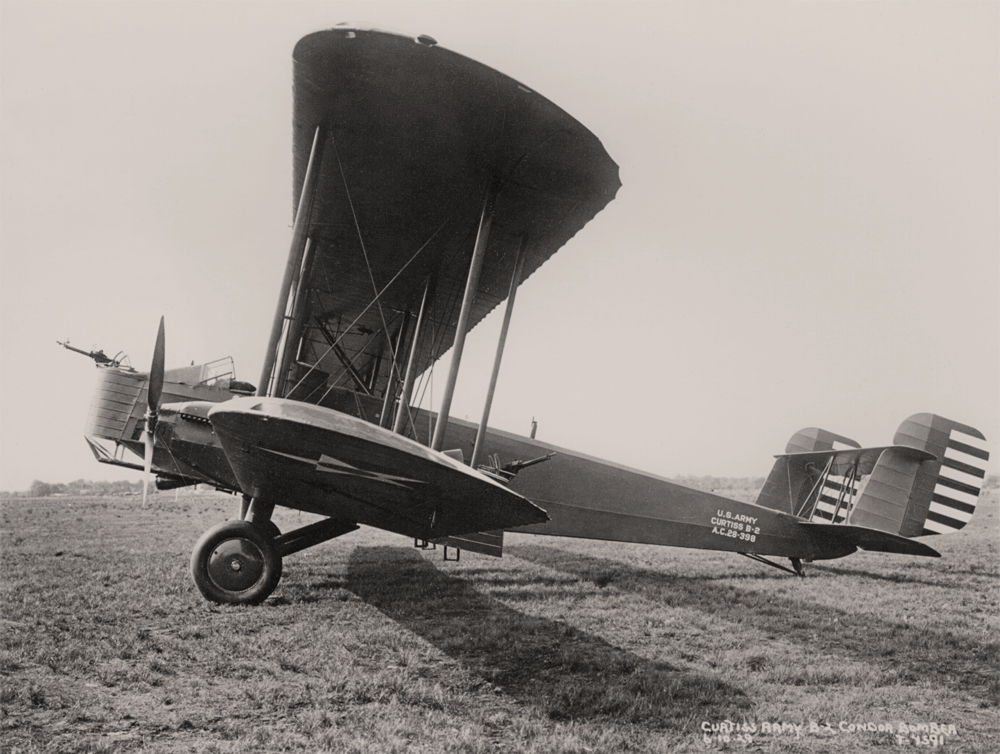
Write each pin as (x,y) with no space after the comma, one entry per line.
(568,674)
(898,578)
(957,661)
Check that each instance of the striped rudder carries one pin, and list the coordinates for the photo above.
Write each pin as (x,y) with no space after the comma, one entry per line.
(928,483)
(952,490)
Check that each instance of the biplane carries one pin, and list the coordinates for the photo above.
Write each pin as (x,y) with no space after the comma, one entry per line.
(427,187)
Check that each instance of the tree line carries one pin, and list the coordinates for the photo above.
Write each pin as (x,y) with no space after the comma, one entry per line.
(81,488)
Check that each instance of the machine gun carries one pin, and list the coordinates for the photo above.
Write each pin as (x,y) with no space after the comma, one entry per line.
(516,466)
(100,358)
(508,471)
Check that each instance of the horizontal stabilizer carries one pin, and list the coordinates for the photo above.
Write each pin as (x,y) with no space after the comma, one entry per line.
(864,458)
(870,539)
(483,542)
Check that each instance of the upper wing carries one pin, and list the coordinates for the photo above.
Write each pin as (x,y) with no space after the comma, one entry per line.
(413,136)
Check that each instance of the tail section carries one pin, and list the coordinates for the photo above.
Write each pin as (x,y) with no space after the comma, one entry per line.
(886,503)
(867,539)
(834,496)
(928,483)
(793,477)
(814,439)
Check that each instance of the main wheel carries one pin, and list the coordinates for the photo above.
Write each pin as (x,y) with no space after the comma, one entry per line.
(268,528)
(235,563)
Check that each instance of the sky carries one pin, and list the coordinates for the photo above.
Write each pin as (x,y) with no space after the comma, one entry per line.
(807,233)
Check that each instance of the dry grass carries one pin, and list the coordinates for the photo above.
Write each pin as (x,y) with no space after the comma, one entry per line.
(562,646)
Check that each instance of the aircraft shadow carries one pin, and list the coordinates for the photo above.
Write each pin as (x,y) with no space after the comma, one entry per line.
(568,674)
(956,661)
(895,578)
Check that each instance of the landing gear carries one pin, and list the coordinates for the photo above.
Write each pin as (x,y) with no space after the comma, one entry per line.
(268,528)
(258,512)
(796,564)
(237,562)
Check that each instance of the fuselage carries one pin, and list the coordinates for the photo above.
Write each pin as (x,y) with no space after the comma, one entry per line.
(584,497)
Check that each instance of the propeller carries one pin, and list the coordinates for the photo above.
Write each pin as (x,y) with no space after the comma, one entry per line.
(152,408)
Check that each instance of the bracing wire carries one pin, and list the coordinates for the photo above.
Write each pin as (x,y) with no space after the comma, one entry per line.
(364,251)
(371,303)
(394,364)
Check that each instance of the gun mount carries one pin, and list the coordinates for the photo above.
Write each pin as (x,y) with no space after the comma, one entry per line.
(100,358)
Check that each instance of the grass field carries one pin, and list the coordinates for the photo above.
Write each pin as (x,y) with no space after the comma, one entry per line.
(562,646)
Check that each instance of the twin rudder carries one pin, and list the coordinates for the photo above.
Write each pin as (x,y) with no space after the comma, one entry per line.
(926,482)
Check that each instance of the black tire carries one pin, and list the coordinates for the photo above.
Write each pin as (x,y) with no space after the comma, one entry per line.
(268,528)
(234,563)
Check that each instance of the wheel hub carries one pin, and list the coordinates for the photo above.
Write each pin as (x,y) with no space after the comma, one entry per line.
(236,564)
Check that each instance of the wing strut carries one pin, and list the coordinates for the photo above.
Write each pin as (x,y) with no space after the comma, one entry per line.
(403,407)
(294,264)
(471,285)
(397,354)
(515,281)
(294,333)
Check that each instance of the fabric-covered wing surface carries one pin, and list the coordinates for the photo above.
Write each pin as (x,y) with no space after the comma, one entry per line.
(412,138)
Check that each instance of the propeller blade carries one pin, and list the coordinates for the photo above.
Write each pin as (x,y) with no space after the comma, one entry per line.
(156,372)
(152,407)
(147,457)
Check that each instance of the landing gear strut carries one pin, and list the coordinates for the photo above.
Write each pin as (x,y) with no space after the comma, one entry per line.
(796,564)
(268,528)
